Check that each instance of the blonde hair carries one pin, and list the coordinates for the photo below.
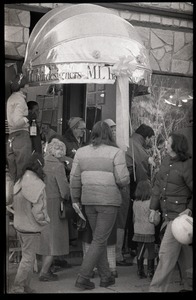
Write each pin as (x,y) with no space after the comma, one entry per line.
(56,148)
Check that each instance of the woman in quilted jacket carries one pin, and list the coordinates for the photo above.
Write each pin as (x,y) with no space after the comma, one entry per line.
(172,194)
(98,173)
(30,218)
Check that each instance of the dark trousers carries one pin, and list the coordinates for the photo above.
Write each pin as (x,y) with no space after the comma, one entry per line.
(19,149)
(129,230)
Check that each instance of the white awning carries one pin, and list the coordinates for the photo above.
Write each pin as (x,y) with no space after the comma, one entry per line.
(85,43)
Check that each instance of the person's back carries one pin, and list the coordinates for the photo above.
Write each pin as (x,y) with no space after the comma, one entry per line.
(141,214)
(98,181)
(98,171)
(144,231)
(26,194)
(30,218)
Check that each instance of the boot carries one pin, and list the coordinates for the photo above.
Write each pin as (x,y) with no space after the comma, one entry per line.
(150,268)
(140,265)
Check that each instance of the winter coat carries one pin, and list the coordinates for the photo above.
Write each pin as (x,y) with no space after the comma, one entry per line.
(141,213)
(30,204)
(97,175)
(172,191)
(72,145)
(54,239)
(140,157)
(36,141)
(17,111)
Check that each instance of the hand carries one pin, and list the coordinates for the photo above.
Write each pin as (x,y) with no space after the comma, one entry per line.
(151,216)
(186,212)
(76,207)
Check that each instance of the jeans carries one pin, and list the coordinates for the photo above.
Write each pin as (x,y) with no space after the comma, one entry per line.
(119,244)
(18,152)
(101,219)
(171,252)
(24,274)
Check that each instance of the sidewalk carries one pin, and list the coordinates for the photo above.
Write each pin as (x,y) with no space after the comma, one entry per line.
(127,281)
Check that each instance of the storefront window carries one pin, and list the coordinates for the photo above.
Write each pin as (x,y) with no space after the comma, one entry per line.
(168,107)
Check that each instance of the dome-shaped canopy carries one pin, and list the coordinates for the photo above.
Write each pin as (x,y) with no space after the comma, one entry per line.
(68,38)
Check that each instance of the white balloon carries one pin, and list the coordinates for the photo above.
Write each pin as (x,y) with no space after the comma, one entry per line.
(182,229)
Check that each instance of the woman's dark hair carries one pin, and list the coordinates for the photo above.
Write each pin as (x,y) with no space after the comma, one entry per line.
(102,134)
(18,82)
(31,104)
(143,190)
(145,131)
(180,145)
(35,164)
(160,139)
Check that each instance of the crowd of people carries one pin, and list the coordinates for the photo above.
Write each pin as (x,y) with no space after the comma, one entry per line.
(112,188)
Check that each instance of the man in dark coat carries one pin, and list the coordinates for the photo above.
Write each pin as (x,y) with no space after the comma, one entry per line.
(74,139)
(138,162)
(33,109)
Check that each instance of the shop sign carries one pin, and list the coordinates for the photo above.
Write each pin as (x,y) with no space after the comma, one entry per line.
(70,73)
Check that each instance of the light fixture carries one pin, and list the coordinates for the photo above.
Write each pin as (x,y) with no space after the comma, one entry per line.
(178,103)
(168,102)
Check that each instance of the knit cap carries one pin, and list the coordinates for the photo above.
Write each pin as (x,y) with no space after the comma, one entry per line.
(73,121)
(110,122)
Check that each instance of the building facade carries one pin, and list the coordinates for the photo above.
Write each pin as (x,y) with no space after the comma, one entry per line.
(166,29)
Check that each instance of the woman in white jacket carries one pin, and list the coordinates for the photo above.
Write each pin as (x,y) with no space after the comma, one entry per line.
(30,217)
(98,172)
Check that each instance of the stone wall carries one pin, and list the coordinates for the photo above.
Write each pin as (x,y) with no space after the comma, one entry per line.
(17,23)
(169,40)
